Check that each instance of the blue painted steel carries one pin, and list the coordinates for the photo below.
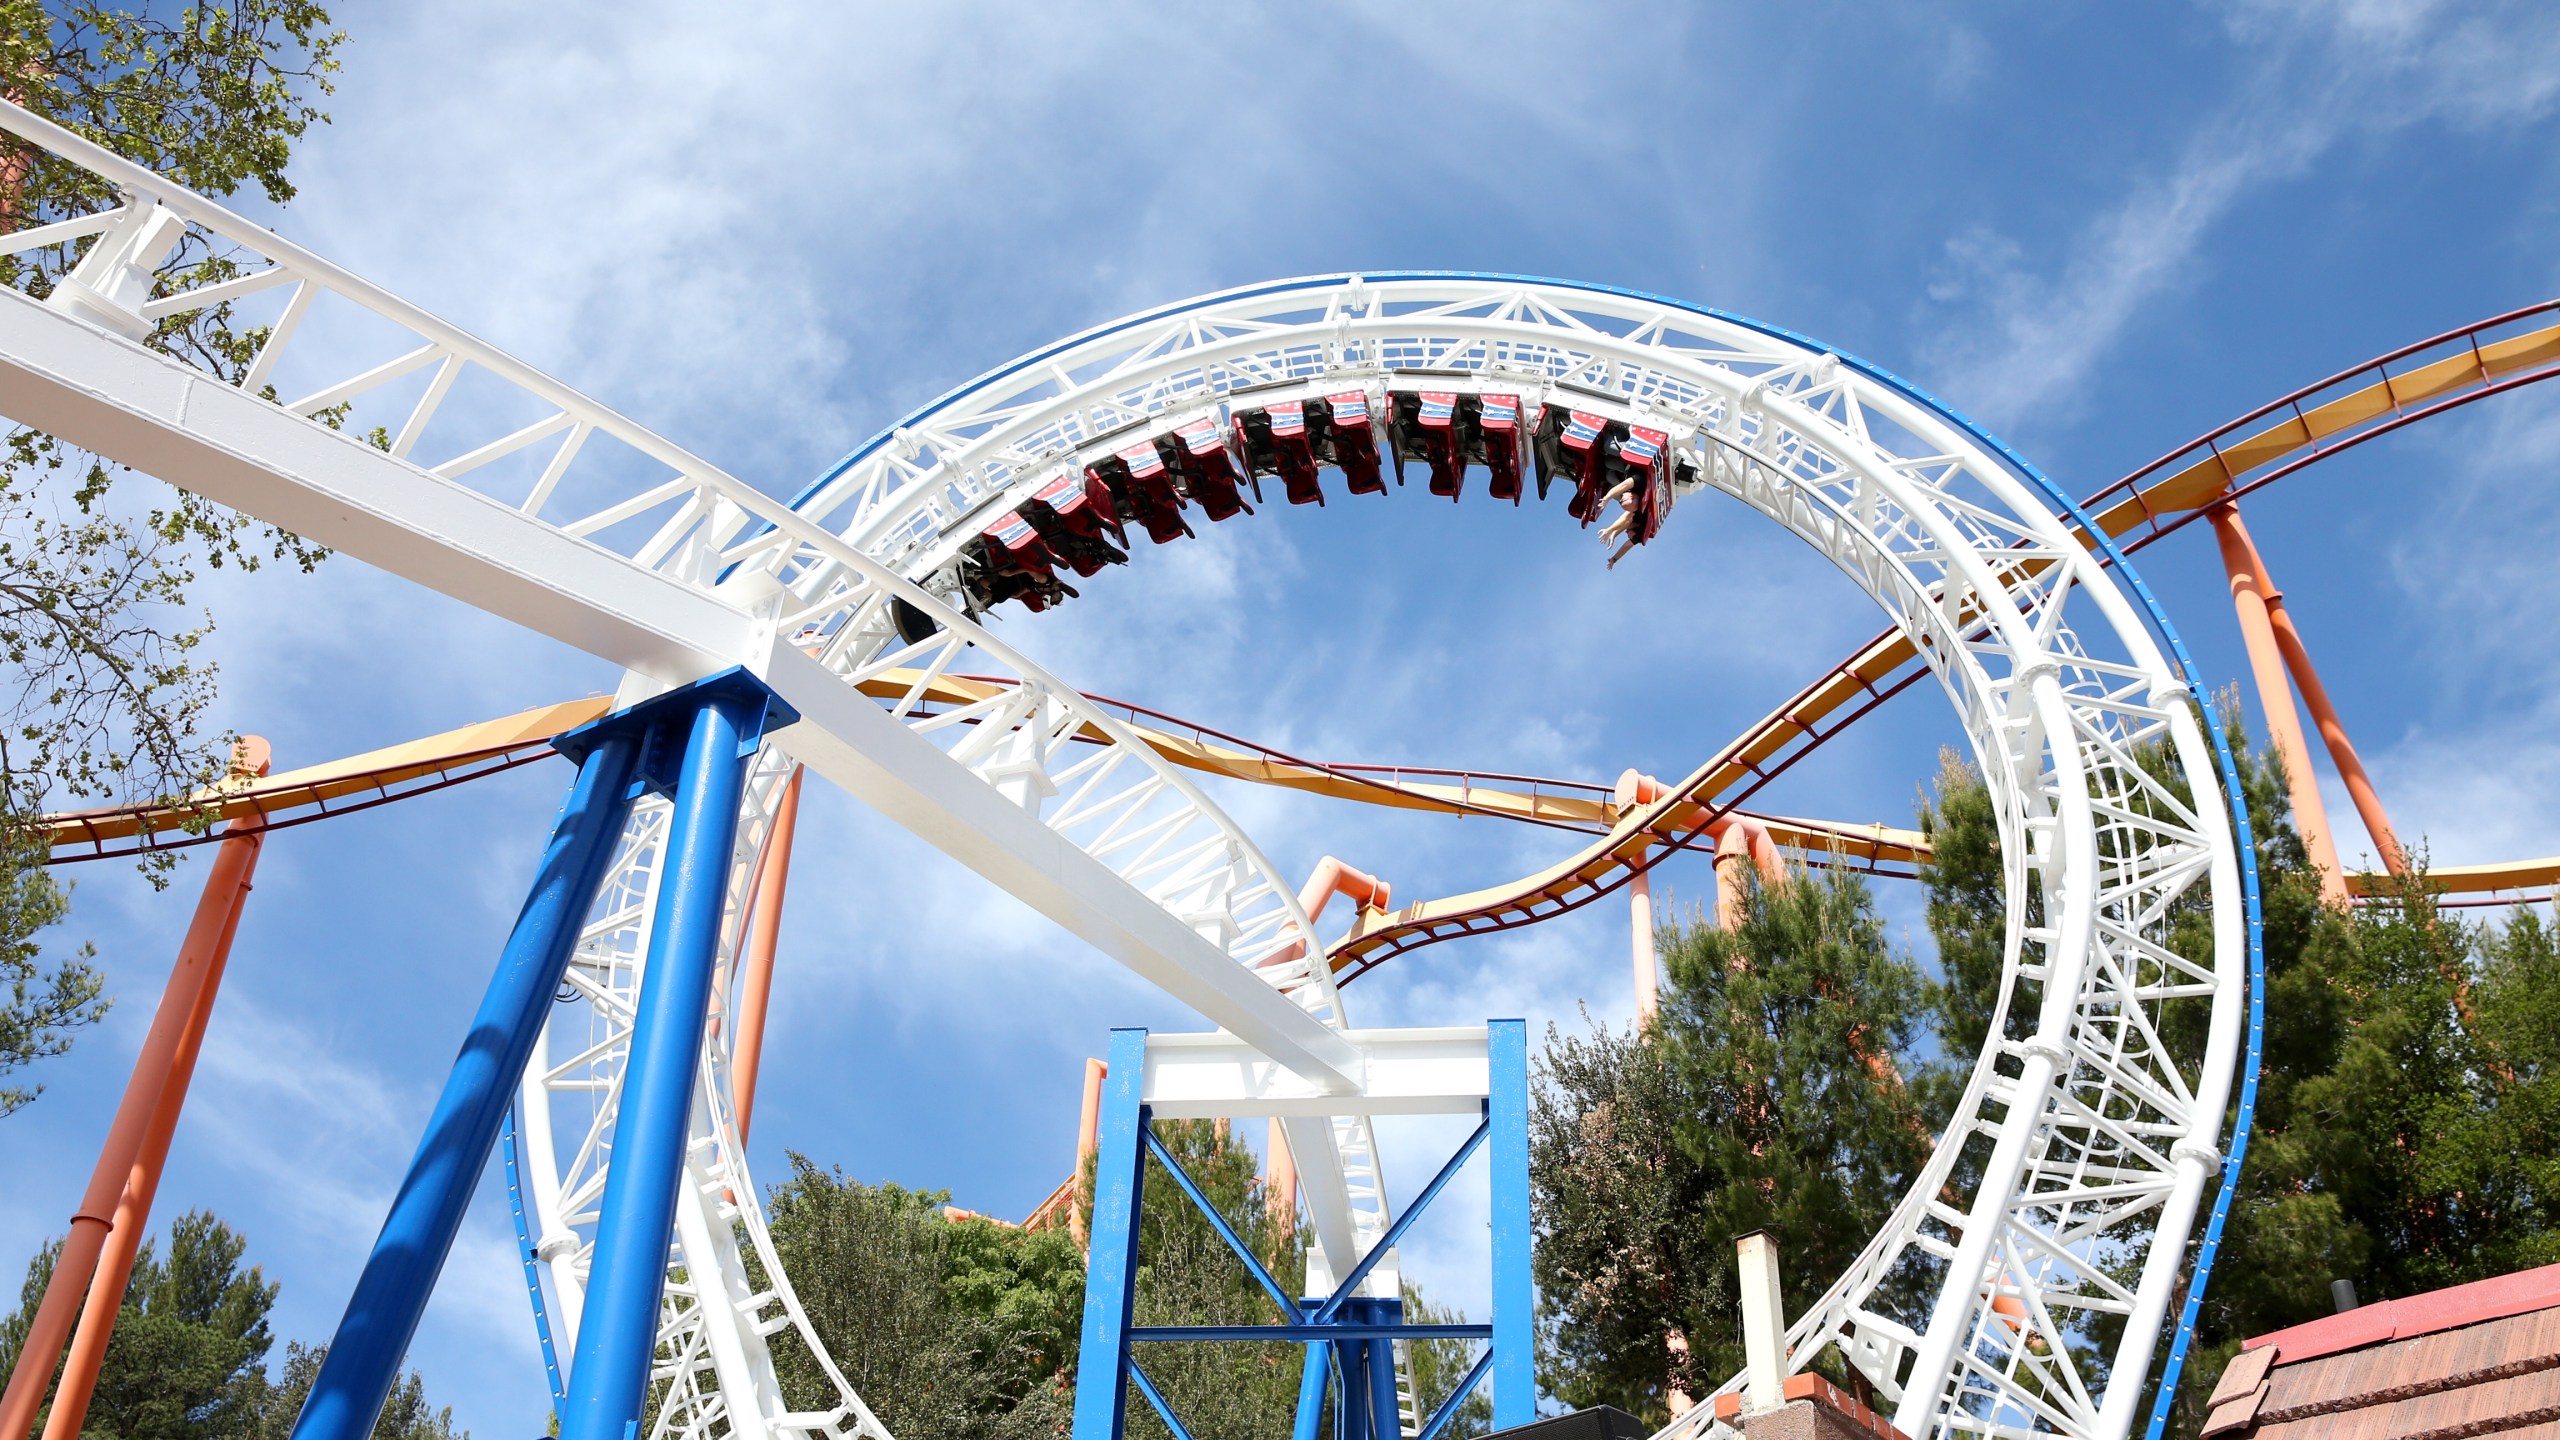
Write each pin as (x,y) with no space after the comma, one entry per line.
(1335,1330)
(617,1331)
(1226,1232)
(1155,1397)
(1311,1381)
(1386,1414)
(1342,1293)
(1111,1263)
(532,1265)
(1515,1381)
(1448,1410)
(1355,1354)
(381,1316)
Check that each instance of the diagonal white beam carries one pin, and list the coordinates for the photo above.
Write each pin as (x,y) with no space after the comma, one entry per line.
(848,738)
(106,394)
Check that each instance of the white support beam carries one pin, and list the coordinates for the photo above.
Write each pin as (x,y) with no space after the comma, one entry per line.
(1440,1071)
(1326,1191)
(848,738)
(104,393)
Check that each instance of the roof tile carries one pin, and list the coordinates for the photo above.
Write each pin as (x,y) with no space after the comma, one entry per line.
(2526,1290)
(2243,1374)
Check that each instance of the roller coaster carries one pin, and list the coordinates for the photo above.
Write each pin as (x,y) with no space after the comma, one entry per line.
(2079,1188)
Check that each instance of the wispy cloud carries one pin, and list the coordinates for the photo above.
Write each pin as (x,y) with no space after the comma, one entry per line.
(2022,334)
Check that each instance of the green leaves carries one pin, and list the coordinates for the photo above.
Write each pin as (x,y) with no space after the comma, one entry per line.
(188,1358)
(1771,1093)
(106,697)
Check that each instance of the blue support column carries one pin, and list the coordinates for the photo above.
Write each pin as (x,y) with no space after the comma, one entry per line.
(1515,1380)
(1111,1265)
(722,720)
(1311,1383)
(1386,1418)
(373,1337)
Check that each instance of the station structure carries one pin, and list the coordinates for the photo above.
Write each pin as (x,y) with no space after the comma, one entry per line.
(2078,1191)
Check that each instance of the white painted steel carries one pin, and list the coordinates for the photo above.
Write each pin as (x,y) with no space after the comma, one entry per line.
(1130,855)
(2081,1145)
(1435,1071)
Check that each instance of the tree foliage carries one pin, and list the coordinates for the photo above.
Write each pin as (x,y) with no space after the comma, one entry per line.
(105,696)
(188,1357)
(946,1328)
(407,1414)
(2407,1096)
(1770,1093)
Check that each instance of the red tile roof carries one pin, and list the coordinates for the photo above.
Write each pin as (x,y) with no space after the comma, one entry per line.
(2418,1315)
(2481,1359)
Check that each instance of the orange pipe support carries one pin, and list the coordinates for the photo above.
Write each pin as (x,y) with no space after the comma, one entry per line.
(1088,1138)
(199,963)
(2333,733)
(1636,788)
(1330,878)
(2251,596)
(764,932)
(88,1352)
(1741,841)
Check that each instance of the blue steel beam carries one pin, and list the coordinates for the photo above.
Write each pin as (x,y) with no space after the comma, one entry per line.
(1311,1382)
(1448,1410)
(373,1337)
(1155,1397)
(1336,1330)
(1111,1263)
(1226,1232)
(1341,1295)
(1515,1380)
(722,721)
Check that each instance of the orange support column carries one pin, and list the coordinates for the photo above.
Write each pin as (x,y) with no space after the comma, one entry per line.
(198,968)
(2333,732)
(106,1293)
(2251,594)
(1634,789)
(1088,1138)
(1741,843)
(1280,1192)
(764,932)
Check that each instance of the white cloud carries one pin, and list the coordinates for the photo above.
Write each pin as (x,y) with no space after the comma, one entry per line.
(2021,336)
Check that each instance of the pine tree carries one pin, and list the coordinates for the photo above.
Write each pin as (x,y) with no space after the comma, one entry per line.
(406,1413)
(187,1358)
(1772,1093)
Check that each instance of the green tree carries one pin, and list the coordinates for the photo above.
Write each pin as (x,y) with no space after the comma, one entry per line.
(1438,1365)
(1770,1094)
(43,1006)
(104,694)
(1221,1390)
(187,1358)
(406,1413)
(917,1310)
(2408,1101)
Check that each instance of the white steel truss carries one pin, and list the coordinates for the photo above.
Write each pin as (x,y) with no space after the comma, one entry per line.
(2057,1204)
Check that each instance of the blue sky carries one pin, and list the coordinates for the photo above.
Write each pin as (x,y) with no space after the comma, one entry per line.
(2100,230)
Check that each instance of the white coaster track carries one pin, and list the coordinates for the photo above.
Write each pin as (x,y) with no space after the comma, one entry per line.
(2063,1190)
